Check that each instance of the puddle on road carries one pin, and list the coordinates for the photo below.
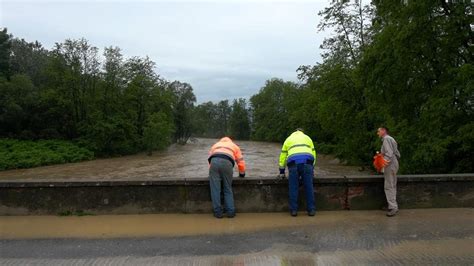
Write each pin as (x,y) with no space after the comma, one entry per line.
(188,161)
(357,248)
(146,225)
(177,225)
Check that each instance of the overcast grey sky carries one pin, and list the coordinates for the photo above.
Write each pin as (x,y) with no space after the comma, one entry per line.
(224,49)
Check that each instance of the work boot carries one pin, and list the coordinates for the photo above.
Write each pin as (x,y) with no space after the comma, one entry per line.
(312,213)
(218,215)
(231,215)
(392,212)
(294,213)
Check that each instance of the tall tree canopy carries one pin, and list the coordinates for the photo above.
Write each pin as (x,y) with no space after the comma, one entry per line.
(404,64)
(109,104)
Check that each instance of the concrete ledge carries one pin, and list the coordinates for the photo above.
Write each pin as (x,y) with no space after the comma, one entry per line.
(412,178)
(266,194)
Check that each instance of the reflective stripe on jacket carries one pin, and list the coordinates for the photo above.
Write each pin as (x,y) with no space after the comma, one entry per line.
(299,148)
(227,147)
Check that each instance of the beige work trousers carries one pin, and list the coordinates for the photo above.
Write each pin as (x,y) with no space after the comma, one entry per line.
(390,185)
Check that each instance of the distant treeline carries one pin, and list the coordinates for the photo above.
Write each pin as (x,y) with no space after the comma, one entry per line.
(215,120)
(403,64)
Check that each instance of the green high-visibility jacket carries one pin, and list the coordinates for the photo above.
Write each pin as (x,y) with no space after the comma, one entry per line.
(299,148)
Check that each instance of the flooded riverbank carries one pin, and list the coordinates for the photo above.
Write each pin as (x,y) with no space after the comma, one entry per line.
(178,161)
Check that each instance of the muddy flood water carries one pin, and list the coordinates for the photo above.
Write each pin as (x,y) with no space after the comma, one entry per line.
(178,161)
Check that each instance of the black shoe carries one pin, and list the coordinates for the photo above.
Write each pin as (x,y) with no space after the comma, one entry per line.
(294,213)
(230,215)
(218,215)
(392,212)
(312,213)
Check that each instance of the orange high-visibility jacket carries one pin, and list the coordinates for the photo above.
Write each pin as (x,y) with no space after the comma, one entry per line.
(226,147)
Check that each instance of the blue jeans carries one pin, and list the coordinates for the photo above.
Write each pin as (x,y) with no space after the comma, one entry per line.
(220,172)
(305,171)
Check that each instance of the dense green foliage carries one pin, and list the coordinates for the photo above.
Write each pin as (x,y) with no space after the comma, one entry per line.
(272,117)
(239,120)
(183,110)
(109,104)
(25,154)
(407,65)
(217,120)
(404,64)
(158,131)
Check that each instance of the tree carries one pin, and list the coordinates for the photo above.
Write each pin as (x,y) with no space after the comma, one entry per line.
(17,101)
(404,64)
(223,114)
(205,120)
(29,58)
(112,106)
(417,81)
(74,75)
(158,132)
(183,105)
(5,45)
(141,81)
(351,21)
(239,120)
(113,81)
(272,108)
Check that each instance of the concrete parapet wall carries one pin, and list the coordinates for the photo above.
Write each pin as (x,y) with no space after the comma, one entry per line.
(251,195)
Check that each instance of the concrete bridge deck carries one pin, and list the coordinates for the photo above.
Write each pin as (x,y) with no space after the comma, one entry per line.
(422,236)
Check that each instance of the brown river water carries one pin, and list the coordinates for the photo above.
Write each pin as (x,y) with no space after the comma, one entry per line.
(178,161)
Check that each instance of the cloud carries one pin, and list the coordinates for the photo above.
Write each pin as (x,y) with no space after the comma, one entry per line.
(223,49)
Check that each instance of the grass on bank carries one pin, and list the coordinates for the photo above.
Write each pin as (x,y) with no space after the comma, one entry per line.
(16,154)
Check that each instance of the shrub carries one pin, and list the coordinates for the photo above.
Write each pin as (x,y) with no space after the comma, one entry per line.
(26,154)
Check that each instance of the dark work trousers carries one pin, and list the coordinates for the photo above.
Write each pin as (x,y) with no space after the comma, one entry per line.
(220,174)
(305,172)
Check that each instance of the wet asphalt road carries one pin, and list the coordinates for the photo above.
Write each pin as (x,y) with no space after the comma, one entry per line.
(438,236)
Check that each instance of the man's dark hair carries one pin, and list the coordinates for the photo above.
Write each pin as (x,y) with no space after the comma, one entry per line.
(384,127)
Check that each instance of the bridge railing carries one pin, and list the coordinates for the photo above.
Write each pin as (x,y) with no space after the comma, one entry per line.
(263,194)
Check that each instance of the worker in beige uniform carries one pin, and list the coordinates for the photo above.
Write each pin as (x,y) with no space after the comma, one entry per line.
(391,155)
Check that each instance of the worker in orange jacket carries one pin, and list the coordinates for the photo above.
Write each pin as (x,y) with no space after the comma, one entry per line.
(222,158)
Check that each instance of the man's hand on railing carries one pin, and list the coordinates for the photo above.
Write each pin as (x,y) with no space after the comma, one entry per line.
(282,174)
